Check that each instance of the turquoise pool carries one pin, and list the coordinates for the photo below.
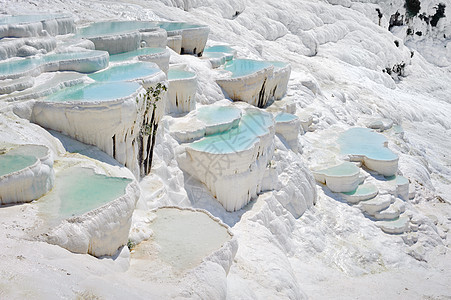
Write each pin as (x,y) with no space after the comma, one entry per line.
(253,124)
(244,67)
(101,91)
(28,64)
(125,72)
(220,48)
(21,19)
(285,117)
(131,54)
(212,115)
(113,28)
(13,163)
(365,142)
(344,169)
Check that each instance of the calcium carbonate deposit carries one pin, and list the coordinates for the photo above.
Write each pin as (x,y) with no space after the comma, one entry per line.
(225,149)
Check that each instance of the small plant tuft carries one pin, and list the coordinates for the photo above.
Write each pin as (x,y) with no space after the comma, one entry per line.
(130,245)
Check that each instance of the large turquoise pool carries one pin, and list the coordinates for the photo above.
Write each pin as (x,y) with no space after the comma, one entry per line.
(244,67)
(131,54)
(113,28)
(365,142)
(126,72)
(13,163)
(253,124)
(101,91)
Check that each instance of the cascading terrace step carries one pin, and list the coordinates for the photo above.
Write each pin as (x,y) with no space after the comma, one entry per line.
(395,226)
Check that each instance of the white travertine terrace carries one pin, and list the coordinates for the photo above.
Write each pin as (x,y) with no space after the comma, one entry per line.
(176,240)
(22,47)
(255,82)
(289,126)
(113,122)
(223,160)
(160,56)
(194,36)
(124,36)
(145,73)
(206,120)
(83,62)
(36,25)
(342,178)
(26,88)
(100,231)
(175,42)
(279,81)
(26,173)
(363,192)
(370,148)
(181,90)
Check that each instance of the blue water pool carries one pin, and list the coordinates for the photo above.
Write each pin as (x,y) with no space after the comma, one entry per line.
(113,28)
(253,124)
(21,19)
(79,190)
(363,190)
(285,117)
(28,64)
(212,115)
(243,67)
(345,169)
(126,72)
(365,142)
(220,48)
(131,54)
(13,163)
(102,91)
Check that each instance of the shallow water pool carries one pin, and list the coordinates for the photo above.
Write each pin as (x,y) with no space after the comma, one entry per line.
(125,72)
(101,91)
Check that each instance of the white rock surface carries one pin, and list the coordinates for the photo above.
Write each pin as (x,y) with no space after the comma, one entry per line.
(31,182)
(100,232)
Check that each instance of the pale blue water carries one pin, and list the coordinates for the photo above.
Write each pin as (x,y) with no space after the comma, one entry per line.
(344,169)
(399,180)
(285,117)
(364,141)
(212,115)
(171,26)
(13,163)
(362,190)
(115,27)
(29,18)
(37,151)
(125,72)
(131,54)
(79,190)
(213,54)
(179,74)
(95,92)
(253,124)
(243,67)
(18,66)
(27,64)
(220,48)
